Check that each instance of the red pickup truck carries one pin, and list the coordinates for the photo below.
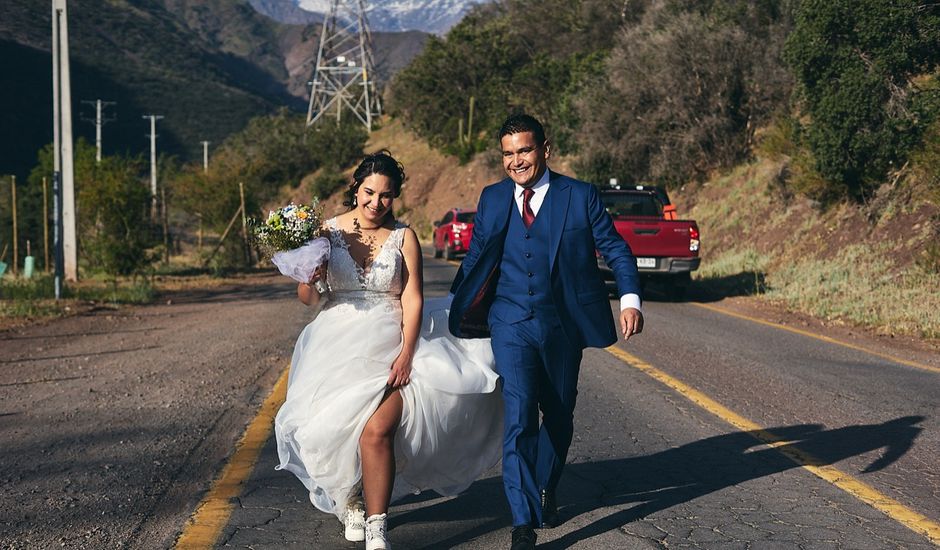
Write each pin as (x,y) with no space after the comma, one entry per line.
(664,248)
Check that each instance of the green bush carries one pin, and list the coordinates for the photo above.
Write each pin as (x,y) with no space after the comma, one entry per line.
(115,235)
(684,89)
(326,183)
(509,57)
(115,210)
(855,61)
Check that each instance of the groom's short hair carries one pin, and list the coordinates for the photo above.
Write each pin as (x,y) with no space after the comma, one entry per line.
(518,123)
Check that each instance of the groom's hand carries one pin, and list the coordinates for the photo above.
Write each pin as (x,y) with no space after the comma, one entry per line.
(631,322)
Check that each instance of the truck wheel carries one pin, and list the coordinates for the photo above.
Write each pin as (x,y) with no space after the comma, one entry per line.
(679,286)
(449,253)
(438,252)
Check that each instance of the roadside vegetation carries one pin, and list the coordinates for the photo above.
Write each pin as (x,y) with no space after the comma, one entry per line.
(803,136)
(127,255)
(874,267)
(34,299)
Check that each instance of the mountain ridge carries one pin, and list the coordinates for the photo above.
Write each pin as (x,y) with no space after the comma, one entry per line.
(430,16)
(206,66)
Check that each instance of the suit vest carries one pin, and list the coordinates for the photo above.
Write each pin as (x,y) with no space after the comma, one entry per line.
(523,290)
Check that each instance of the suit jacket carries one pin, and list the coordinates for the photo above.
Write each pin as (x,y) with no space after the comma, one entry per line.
(579,225)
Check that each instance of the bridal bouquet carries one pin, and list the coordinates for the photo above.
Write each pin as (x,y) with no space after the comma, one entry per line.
(290,236)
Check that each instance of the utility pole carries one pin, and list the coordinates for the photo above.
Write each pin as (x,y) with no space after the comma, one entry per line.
(343,75)
(63,163)
(45,223)
(205,157)
(99,121)
(153,165)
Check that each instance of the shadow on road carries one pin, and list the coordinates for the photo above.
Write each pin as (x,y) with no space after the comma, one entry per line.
(672,477)
(712,289)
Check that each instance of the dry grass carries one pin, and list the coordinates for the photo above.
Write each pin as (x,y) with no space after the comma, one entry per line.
(848,264)
(863,285)
(24,301)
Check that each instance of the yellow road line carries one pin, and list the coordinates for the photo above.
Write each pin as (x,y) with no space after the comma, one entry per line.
(205,526)
(895,510)
(827,339)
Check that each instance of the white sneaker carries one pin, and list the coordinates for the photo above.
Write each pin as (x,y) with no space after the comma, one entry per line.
(355,522)
(375,533)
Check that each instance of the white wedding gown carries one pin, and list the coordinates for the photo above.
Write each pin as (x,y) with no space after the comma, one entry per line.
(451,425)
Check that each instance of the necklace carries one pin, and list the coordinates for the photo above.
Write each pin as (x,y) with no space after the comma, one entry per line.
(369,241)
(359,228)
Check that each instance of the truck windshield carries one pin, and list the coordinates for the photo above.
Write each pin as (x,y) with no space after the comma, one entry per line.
(465,217)
(632,204)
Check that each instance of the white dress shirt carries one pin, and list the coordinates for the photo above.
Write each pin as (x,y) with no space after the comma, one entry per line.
(541,188)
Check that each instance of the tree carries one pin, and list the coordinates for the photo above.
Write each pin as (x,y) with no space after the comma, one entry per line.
(683,91)
(113,201)
(856,61)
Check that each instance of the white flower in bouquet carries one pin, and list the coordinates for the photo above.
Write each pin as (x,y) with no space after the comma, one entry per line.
(290,236)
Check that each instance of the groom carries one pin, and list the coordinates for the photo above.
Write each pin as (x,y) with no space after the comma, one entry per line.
(530,282)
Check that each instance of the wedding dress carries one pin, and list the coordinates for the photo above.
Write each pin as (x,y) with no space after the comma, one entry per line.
(451,425)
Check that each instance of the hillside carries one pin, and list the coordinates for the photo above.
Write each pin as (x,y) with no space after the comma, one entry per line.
(206,66)
(434,181)
(844,265)
(867,265)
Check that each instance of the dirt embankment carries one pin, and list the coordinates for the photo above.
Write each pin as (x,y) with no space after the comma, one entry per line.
(435,182)
(867,265)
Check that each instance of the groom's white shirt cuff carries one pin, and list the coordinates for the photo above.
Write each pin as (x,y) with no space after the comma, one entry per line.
(630,300)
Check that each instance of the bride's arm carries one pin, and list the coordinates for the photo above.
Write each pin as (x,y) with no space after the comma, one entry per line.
(412,302)
(306,292)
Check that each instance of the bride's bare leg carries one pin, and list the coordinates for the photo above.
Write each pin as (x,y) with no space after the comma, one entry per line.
(376,447)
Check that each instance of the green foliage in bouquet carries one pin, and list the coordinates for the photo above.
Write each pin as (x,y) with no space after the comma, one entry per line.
(288,227)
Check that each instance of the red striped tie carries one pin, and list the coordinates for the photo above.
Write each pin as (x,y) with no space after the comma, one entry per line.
(528,216)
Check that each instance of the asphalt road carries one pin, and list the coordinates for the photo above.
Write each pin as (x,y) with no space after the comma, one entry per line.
(113,425)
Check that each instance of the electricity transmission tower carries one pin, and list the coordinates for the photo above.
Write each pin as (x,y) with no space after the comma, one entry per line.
(344,74)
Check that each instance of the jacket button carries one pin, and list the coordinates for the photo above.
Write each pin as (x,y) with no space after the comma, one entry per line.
(527,235)
(531,274)
(531,293)
(528,254)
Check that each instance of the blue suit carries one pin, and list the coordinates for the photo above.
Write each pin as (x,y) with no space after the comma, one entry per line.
(539,294)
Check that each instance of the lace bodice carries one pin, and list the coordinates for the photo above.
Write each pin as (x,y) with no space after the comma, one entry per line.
(383,275)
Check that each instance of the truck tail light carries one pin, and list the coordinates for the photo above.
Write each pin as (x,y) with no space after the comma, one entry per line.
(693,239)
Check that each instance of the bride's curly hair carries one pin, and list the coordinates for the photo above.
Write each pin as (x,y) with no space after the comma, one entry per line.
(381,162)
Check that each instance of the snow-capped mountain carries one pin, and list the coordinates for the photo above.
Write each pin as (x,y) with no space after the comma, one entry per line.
(433,16)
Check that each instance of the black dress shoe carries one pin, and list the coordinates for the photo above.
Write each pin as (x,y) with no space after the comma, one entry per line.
(549,509)
(523,538)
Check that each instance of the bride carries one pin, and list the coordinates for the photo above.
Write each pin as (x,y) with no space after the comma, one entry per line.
(381,400)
